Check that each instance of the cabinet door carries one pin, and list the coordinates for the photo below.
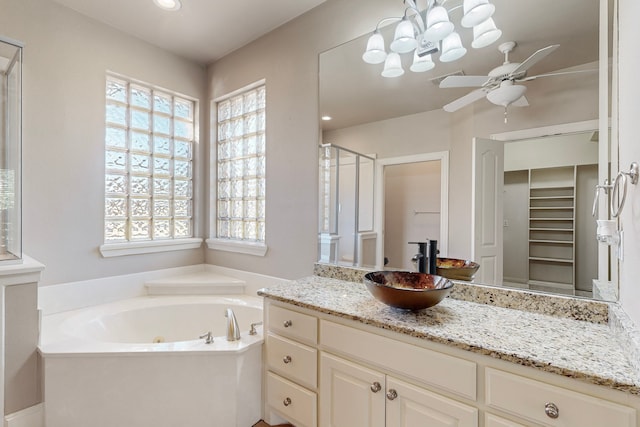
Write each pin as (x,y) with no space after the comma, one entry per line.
(350,395)
(411,406)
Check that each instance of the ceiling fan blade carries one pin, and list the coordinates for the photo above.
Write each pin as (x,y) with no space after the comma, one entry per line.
(533,59)
(464,101)
(521,102)
(562,73)
(464,81)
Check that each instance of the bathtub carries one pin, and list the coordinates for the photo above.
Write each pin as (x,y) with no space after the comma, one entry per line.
(140,363)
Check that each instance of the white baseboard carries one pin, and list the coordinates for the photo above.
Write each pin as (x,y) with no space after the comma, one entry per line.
(32,416)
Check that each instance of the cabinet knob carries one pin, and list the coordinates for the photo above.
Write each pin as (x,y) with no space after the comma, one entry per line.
(551,410)
(376,387)
(286,359)
(392,394)
(287,323)
(286,401)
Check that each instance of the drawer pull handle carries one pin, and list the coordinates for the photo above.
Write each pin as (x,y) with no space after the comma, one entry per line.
(286,359)
(551,410)
(376,387)
(286,401)
(287,323)
(392,394)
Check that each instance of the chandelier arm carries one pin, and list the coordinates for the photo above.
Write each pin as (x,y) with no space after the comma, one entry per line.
(389,18)
(419,22)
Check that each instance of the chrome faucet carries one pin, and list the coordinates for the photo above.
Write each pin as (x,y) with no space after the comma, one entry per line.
(233,330)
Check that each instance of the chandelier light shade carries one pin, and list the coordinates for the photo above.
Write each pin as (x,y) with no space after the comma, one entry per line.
(404,40)
(438,24)
(452,48)
(424,32)
(475,12)
(421,63)
(375,53)
(392,66)
(484,34)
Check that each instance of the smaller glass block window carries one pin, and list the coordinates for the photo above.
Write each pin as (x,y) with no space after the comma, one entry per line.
(241,166)
(149,141)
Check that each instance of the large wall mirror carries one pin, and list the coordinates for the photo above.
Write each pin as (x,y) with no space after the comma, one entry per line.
(429,165)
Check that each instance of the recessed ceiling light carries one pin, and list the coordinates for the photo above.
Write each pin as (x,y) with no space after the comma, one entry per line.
(326,118)
(168,4)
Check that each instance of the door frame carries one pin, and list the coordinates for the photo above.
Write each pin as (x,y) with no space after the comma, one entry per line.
(443,157)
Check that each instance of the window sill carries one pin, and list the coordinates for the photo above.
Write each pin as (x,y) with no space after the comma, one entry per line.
(248,248)
(150,246)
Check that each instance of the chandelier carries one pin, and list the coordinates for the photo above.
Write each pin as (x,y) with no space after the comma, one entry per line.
(429,32)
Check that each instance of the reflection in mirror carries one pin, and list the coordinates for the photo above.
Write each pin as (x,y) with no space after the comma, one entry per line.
(548,227)
(346,207)
(403,116)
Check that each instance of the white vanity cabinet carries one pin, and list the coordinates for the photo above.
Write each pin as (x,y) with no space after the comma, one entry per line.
(333,372)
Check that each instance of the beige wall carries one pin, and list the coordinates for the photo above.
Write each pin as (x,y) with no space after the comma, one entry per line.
(65,59)
(288,59)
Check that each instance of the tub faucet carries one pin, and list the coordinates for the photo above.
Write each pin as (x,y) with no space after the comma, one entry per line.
(233,331)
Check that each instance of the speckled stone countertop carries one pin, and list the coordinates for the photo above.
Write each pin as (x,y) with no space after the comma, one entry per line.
(585,350)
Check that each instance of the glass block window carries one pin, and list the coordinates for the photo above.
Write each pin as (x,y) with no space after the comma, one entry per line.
(149,143)
(241,166)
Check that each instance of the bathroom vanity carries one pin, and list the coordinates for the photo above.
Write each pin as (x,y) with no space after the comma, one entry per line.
(337,357)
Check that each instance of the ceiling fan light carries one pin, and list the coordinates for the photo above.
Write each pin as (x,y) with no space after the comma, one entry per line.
(421,63)
(392,66)
(171,5)
(375,53)
(485,33)
(452,48)
(404,40)
(475,12)
(506,94)
(438,24)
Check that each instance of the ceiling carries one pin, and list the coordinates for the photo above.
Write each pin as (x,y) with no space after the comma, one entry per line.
(353,92)
(202,30)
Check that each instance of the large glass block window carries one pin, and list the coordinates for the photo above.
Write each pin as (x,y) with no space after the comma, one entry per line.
(241,166)
(149,143)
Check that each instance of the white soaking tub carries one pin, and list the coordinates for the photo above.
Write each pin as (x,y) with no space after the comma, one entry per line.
(140,363)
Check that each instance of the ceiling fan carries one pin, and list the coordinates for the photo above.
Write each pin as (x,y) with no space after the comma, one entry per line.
(500,85)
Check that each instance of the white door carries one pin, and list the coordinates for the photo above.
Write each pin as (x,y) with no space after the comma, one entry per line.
(411,406)
(488,183)
(350,395)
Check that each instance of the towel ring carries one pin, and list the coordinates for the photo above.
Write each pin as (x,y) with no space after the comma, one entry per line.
(622,177)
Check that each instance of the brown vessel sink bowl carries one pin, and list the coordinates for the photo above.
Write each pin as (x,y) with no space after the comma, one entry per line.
(407,290)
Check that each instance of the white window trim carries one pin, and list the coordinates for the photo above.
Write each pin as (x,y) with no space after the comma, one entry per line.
(215,243)
(109,250)
(238,246)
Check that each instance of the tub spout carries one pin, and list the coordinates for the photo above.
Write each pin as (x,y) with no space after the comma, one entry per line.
(233,331)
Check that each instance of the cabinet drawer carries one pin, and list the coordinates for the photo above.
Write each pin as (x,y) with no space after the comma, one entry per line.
(429,367)
(293,360)
(297,404)
(491,420)
(527,398)
(291,324)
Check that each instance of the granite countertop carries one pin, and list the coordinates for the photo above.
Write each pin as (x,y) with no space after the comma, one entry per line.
(585,350)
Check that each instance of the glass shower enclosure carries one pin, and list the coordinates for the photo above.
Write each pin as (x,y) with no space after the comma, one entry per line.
(346,235)
(10,151)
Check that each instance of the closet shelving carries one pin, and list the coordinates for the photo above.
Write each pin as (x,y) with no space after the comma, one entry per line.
(552,201)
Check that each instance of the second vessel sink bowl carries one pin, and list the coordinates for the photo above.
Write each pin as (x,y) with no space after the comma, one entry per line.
(407,290)
(457,269)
